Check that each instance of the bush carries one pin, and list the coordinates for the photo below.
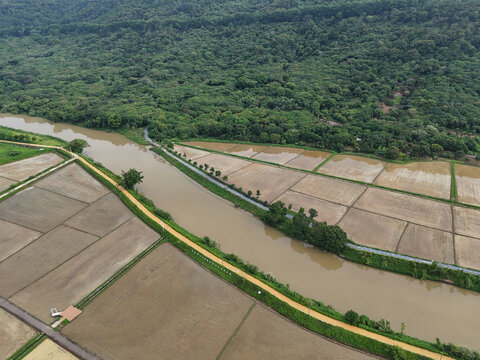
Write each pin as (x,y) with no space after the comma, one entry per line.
(352,317)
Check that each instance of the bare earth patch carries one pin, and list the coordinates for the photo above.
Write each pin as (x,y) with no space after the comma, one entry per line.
(468,183)
(165,305)
(467,250)
(266,335)
(22,169)
(334,190)
(74,182)
(308,160)
(13,237)
(51,351)
(429,178)
(38,209)
(467,221)
(226,164)
(246,150)
(270,180)
(407,207)
(427,243)
(372,230)
(278,155)
(327,211)
(102,216)
(13,334)
(352,167)
(211,145)
(77,277)
(40,257)
(190,153)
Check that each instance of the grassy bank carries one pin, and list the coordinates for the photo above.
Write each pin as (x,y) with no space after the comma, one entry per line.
(10,134)
(11,152)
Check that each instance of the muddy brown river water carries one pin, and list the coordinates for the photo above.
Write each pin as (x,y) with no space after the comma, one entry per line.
(428,309)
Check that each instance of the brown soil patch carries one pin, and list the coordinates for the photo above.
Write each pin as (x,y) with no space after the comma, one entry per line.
(468,183)
(38,209)
(74,182)
(266,335)
(467,221)
(192,154)
(22,169)
(270,180)
(246,150)
(308,160)
(40,257)
(338,191)
(352,167)
(51,351)
(429,178)
(5,183)
(226,164)
(278,155)
(102,216)
(467,251)
(166,305)
(327,211)
(13,237)
(74,279)
(13,334)
(407,207)
(211,145)
(427,243)
(372,230)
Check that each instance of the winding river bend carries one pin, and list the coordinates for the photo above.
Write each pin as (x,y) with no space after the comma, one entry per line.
(428,309)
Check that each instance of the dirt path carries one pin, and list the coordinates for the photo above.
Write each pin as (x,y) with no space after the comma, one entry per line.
(277,294)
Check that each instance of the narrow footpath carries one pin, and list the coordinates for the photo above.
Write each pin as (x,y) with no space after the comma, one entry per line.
(254,280)
(55,336)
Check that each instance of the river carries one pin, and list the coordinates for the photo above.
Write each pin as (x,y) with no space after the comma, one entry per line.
(428,309)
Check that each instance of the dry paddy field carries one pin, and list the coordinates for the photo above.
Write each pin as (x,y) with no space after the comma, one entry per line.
(211,145)
(373,230)
(417,210)
(278,155)
(5,183)
(13,334)
(429,178)
(66,235)
(333,190)
(466,221)
(169,305)
(48,350)
(190,153)
(427,243)
(22,169)
(270,180)
(468,183)
(246,150)
(352,167)
(467,251)
(226,164)
(327,211)
(308,160)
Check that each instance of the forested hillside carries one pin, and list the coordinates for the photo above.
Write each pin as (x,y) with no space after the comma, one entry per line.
(403,74)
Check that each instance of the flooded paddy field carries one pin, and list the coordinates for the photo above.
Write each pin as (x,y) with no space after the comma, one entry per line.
(212,145)
(308,160)
(468,183)
(190,153)
(467,251)
(226,164)
(429,178)
(353,167)
(278,155)
(246,150)
(467,221)
(13,334)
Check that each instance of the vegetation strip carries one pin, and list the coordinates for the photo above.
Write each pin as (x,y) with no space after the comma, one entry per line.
(353,246)
(313,172)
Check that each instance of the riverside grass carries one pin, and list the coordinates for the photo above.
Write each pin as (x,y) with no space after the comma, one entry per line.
(310,323)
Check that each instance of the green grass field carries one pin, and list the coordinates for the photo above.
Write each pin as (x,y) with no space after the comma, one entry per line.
(10,153)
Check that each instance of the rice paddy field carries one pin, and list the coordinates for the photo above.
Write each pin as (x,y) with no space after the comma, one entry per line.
(379,218)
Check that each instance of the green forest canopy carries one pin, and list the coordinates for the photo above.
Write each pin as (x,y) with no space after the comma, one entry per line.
(398,74)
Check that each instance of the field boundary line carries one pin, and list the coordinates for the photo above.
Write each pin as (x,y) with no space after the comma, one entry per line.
(277,294)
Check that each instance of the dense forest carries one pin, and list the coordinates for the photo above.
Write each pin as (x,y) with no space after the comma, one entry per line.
(377,76)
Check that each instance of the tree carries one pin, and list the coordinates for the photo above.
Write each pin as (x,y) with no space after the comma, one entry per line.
(352,317)
(131,178)
(218,173)
(392,152)
(436,149)
(258,193)
(313,213)
(225,178)
(77,145)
